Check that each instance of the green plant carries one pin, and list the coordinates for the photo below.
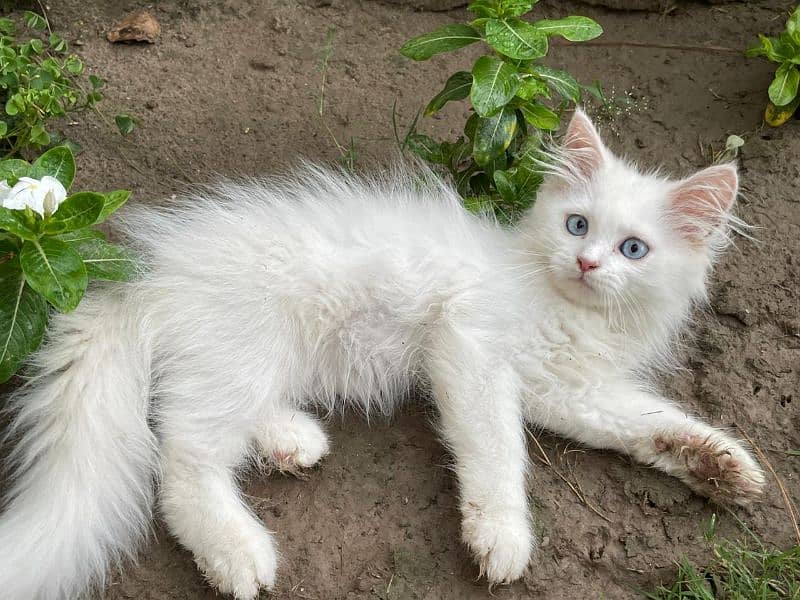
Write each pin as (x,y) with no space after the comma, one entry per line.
(496,164)
(49,248)
(784,50)
(39,81)
(740,570)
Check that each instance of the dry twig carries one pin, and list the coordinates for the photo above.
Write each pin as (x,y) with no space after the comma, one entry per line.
(788,502)
(575,487)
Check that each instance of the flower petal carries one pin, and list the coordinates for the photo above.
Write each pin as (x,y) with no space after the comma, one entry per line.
(53,185)
(5,190)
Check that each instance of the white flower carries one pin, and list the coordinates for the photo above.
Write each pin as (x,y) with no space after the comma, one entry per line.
(5,189)
(43,195)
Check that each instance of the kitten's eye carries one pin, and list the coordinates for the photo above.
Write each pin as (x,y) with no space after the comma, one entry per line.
(577,224)
(634,248)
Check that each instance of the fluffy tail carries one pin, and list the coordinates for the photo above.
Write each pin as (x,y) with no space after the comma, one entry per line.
(83,459)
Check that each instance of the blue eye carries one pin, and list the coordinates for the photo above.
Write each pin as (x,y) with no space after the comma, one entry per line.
(634,248)
(577,224)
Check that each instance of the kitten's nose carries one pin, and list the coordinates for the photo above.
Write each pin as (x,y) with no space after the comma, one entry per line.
(584,264)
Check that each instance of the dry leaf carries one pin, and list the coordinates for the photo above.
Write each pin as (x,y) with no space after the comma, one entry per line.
(136,27)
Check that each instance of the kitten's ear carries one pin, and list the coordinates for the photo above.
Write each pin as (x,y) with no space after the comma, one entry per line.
(585,151)
(701,203)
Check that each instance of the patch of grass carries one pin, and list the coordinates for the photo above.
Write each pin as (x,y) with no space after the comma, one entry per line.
(740,570)
(348,155)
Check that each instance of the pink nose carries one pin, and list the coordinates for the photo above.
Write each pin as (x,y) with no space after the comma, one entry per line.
(587,265)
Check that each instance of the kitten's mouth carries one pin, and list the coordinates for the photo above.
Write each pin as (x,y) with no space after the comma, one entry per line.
(584,281)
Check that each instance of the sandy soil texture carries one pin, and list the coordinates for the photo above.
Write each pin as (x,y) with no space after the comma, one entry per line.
(231,88)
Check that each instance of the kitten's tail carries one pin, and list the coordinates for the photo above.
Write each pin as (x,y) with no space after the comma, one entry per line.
(84,460)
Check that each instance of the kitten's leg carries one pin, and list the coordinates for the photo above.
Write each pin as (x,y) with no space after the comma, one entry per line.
(657,433)
(204,510)
(478,400)
(292,440)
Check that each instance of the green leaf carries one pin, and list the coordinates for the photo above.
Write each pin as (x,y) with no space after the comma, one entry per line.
(54,270)
(787,49)
(3,128)
(527,180)
(540,116)
(12,169)
(15,104)
(479,205)
(15,221)
(516,8)
(516,39)
(766,48)
(23,317)
(456,153)
(38,135)
(78,211)
(113,201)
(444,39)
(35,21)
(461,179)
(125,123)
(531,88)
(57,43)
(574,29)
(101,259)
(497,163)
(505,186)
(7,26)
(456,88)
(471,126)
(783,88)
(493,135)
(485,8)
(793,25)
(560,81)
(74,65)
(96,82)
(596,90)
(424,147)
(72,238)
(494,84)
(57,162)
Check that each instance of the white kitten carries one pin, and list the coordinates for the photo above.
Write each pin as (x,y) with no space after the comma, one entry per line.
(259,301)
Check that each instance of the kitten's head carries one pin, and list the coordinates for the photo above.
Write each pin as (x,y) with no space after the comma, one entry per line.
(613,238)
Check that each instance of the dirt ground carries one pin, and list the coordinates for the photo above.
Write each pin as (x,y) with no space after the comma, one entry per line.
(231,88)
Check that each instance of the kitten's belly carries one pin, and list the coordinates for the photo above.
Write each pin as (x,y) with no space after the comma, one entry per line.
(368,357)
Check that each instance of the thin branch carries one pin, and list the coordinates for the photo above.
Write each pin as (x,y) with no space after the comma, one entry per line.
(612,44)
(790,507)
(44,15)
(544,459)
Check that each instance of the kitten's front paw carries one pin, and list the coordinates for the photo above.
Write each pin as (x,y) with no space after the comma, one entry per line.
(501,541)
(294,443)
(711,464)
(244,564)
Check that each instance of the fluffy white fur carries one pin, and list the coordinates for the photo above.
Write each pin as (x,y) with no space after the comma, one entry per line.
(260,300)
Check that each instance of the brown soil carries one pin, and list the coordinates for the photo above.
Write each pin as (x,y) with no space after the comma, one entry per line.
(231,88)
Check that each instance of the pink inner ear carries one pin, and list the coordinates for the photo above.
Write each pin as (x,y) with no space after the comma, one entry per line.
(701,202)
(583,146)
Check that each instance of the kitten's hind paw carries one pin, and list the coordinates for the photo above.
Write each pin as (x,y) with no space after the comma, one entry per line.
(711,464)
(501,541)
(293,442)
